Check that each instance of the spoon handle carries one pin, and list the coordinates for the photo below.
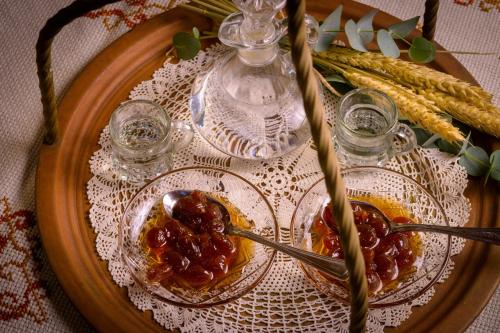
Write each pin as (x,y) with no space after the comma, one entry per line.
(487,235)
(332,266)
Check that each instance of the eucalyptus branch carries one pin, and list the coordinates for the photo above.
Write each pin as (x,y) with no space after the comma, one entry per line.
(453,52)
(402,38)
(423,97)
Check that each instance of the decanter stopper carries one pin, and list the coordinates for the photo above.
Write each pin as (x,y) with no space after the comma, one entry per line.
(254,31)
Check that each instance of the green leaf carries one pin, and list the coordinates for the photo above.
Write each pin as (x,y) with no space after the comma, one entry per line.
(430,141)
(495,165)
(422,135)
(187,45)
(446,117)
(422,50)
(196,33)
(475,160)
(386,44)
(351,30)
(448,147)
(336,78)
(403,29)
(326,36)
(342,88)
(466,144)
(365,27)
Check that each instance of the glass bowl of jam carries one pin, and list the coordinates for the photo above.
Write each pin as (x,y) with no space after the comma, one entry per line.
(181,255)
(400,266)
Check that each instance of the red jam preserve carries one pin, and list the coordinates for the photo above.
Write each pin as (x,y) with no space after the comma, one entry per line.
(190,248)
(389,258)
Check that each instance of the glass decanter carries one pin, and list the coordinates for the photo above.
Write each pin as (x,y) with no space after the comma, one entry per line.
(248,105)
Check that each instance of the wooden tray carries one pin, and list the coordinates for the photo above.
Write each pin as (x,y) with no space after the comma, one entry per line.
(63,173)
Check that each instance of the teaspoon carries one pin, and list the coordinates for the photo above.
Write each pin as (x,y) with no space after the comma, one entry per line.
(487,235)
(332,266)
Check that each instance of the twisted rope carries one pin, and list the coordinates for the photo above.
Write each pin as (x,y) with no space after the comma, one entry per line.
(430,19)
(329,165)
(43,59)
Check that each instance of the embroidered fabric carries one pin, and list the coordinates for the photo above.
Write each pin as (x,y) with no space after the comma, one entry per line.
(284,301)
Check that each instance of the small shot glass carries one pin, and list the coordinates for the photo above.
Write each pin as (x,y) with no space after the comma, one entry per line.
(367,131)
(142,140)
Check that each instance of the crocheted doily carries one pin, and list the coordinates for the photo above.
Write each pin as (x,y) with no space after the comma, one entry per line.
(284,301)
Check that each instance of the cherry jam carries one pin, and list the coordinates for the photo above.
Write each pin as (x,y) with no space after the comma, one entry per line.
(190,248)
(389,258)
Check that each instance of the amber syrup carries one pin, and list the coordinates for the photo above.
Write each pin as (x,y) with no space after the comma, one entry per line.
(244,247)
(391,209)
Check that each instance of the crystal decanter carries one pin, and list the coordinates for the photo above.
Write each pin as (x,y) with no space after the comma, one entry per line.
(248,105)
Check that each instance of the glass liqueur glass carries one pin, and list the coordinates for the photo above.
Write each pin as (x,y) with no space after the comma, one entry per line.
(248,104)
(367,131)
(144,140)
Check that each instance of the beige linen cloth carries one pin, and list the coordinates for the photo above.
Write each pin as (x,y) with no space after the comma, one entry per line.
(31,299)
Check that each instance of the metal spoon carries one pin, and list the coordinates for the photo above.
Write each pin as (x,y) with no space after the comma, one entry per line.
(332,266)
(487,235)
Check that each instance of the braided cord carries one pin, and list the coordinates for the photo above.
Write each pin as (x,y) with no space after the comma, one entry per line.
(43,59)
(430,18)
(321,135)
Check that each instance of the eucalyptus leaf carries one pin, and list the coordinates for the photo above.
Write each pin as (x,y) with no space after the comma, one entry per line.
(446,117)
(422,50)
(342,88)
(328,30)
(403,29)
(196,33)
(466,144)
(186,45)
(475,160)
(422,135)
(448,147)
(336,78)
(365,27)
(464,128)
(351,30)
(386,44)
(430,141)
(495,165)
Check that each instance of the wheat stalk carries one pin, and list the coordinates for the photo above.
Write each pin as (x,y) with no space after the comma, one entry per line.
(325,83)
(464,111)
(410,74)
(408,106)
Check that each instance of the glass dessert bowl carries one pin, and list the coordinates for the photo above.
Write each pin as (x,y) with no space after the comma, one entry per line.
(400,266)
(186,259)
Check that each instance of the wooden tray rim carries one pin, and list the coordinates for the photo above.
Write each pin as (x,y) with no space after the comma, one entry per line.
(51,163)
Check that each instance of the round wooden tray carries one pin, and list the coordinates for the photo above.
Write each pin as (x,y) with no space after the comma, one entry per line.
(63,172)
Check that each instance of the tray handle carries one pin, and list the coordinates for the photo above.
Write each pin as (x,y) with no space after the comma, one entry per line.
(43,59)
(430,19)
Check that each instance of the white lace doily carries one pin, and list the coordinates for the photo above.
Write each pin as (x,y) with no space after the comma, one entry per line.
(284,301)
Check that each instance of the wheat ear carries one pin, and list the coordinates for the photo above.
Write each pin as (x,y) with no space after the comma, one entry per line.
(410,74)
(464,111)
